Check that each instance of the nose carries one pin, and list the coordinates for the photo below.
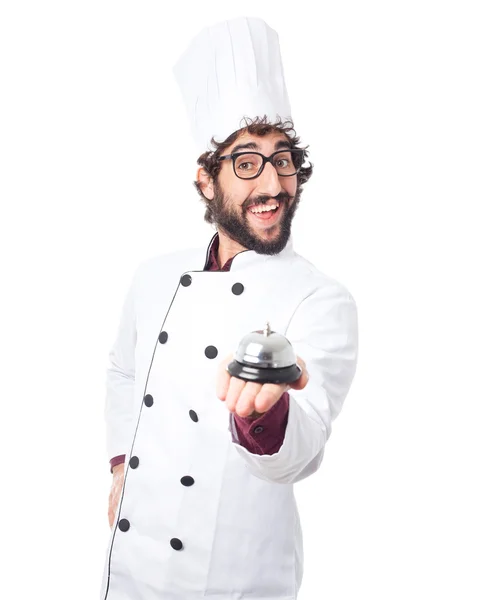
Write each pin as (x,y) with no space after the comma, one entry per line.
(268,181)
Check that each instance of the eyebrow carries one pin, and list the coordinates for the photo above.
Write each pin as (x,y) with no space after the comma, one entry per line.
(254,146)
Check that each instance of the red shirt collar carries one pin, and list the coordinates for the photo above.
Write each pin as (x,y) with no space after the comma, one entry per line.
(213,264)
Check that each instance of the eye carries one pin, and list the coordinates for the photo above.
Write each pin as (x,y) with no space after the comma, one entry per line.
(245,166)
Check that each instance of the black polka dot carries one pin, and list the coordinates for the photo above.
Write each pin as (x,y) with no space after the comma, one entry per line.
(237,289)
(163,337)
(134,462)
(124,525)
(211,352)
(185,280)
(194,416)
(176,543)
(187,480)
(148,400)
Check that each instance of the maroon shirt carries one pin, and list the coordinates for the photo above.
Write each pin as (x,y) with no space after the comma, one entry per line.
(264,435)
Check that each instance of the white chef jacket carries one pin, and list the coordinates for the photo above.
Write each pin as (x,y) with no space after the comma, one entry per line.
(200,515)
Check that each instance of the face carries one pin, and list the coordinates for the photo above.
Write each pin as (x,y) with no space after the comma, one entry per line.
(232,198)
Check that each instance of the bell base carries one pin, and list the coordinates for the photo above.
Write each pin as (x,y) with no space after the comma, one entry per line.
(262,375)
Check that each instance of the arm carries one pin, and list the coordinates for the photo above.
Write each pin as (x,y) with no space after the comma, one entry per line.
(120,379)
(324,332)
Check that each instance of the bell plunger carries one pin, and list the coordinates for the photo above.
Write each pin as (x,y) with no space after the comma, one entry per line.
(265,356)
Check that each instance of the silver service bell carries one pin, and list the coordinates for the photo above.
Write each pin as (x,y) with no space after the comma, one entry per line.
(265,356)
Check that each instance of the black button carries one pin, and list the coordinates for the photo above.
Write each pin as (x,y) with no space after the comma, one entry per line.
(211,352)
(237,289)
(187,480)
(176,543)
(163,337)
(258,429)
(124,524)
(134,462)
(186,280)
(194,416)
(148,400)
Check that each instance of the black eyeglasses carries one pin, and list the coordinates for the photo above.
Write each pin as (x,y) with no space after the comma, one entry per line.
(248,165)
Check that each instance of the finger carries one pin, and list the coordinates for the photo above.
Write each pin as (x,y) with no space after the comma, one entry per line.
(234,391)
(246,402)
(269,394)
(223,378)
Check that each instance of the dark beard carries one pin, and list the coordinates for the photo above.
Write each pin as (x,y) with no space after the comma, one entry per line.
(236,226)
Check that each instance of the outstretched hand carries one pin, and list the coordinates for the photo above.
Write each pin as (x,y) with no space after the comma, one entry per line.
(248,398)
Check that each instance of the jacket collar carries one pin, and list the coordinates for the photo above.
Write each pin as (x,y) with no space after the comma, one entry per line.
(247,258)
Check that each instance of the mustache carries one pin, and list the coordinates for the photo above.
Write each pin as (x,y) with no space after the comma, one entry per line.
(262,199)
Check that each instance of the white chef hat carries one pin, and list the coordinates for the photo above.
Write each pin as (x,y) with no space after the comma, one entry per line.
(231,70)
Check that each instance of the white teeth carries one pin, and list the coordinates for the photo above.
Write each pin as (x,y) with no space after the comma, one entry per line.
(261,209)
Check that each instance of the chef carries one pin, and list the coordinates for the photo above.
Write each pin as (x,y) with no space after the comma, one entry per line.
(204,463)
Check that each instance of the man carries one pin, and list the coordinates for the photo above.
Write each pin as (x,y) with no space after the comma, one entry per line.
(204,464)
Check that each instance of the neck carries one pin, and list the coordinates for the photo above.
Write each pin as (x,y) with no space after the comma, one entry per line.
(227,248)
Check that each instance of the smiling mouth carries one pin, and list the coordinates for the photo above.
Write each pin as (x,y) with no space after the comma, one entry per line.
(269,216)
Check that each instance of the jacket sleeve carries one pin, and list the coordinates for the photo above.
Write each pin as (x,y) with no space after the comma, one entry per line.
(120,378)
(324,333)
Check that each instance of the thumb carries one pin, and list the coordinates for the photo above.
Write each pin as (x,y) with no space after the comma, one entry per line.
(302,381)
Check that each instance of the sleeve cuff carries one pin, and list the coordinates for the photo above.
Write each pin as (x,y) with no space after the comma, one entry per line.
(265,434)
(117,460)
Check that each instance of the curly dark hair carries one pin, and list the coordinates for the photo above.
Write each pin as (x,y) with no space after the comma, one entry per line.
(258,126)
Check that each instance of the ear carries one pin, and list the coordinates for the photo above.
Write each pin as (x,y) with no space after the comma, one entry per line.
(206,183)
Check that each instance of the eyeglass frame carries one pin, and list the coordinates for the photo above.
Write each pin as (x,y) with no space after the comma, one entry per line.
(266,159)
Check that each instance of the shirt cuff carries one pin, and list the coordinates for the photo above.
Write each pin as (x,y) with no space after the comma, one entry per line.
(264,435)
(117,460)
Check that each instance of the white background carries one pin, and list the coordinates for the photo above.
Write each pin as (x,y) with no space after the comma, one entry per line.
(96,172)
